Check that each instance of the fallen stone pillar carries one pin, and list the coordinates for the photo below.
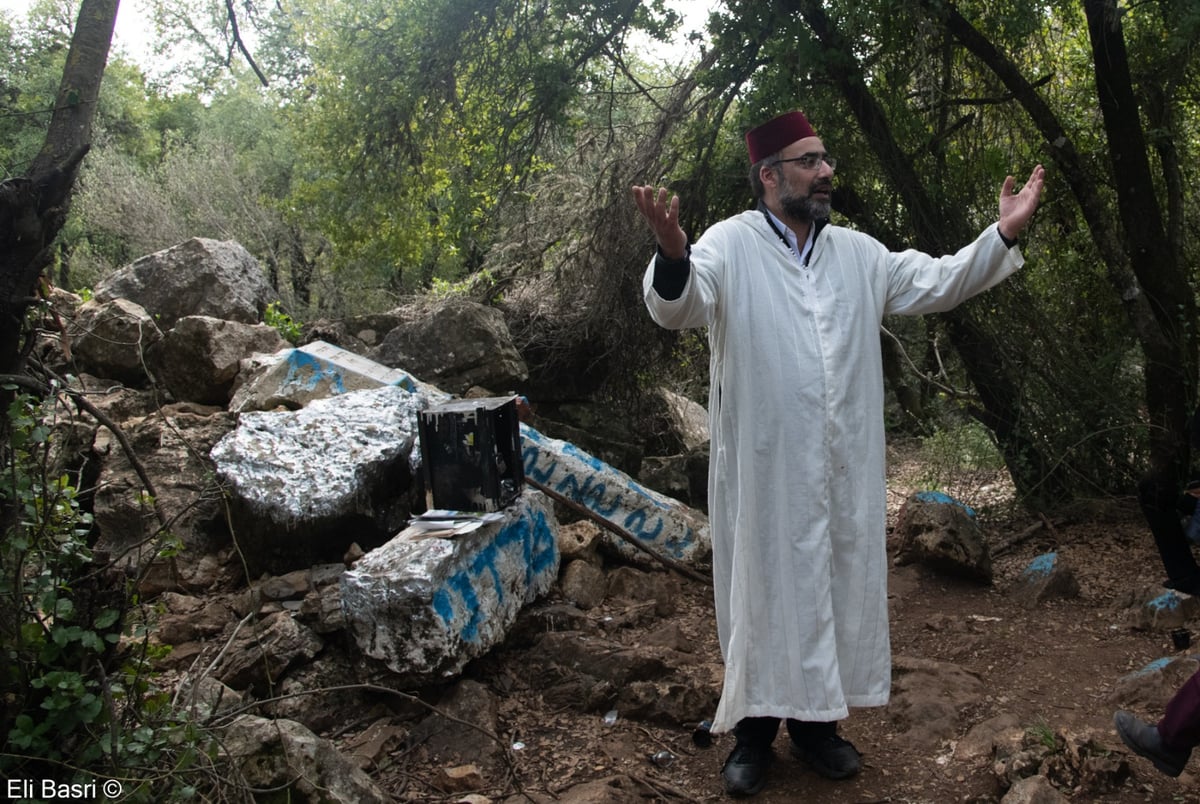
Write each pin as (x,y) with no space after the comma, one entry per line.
(425,605)
(663,525)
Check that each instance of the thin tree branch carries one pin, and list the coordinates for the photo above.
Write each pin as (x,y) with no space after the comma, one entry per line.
(241,46)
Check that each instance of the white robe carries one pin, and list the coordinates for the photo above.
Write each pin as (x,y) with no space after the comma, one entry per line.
(797,490)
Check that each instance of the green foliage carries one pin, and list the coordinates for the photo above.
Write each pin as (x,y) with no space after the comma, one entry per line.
(429,117)
(31,63)
(80,700)
(408,147)
(283,323)
(120,213)
(220,170)
(926,127)
(690,358)
(949,452)
(442,288)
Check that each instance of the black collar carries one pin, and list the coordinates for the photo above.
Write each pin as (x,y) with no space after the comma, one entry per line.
(818,225)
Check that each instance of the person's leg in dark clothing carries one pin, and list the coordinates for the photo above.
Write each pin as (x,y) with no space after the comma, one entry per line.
(1158,499)
(1180,724)
(1169,744)
(819,745)
(745,771)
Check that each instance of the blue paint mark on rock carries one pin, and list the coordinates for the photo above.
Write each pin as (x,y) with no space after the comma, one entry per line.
(605,491)
(1168,601)
(1153,667)
(942,498)
(307,372)
(443,606)
(1041,566)
(532,539)
(575,452)
(542,545)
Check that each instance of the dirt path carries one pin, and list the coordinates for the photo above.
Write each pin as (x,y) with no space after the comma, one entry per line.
(1051,669)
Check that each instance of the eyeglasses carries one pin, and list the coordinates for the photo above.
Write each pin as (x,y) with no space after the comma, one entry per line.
(811,160)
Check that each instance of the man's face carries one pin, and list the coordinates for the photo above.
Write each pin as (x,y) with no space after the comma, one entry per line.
(805,193)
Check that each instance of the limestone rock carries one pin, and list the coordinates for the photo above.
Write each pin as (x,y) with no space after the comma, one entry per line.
(197,277)
(939,532)
(198,358)
(455,346)
(283,754)
(583,584)
(111,338)
(1045,578)
(1034,790)
(262,652)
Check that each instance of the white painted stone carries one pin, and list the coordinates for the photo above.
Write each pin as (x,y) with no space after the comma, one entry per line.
(426,605)
(295,377)
(296,465)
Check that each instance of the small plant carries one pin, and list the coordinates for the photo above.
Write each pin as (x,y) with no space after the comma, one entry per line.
(1041,734)
(284,324)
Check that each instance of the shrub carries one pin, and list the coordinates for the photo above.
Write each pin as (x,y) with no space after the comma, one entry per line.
(79,701)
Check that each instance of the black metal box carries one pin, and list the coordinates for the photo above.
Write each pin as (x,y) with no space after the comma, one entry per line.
(471,454)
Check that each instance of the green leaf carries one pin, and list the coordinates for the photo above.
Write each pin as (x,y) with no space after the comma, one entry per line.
(107,618)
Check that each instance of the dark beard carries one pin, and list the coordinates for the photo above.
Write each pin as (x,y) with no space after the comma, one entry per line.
(804,208)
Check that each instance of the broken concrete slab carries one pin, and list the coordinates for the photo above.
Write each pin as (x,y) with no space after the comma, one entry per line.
(425,605)
(663,525)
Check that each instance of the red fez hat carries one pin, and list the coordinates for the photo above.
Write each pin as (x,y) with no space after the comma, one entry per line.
(775,135)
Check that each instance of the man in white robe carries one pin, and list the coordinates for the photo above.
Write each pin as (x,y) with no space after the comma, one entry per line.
(797,495)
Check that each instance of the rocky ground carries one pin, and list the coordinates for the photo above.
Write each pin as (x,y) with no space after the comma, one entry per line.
(978,677)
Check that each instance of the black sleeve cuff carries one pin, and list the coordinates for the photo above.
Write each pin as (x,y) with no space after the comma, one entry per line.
(1007,243)
(671,276)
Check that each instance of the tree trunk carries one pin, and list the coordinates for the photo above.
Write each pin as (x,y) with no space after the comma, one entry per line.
(1171,354)
(303,268)
(33,207)
(1038,481)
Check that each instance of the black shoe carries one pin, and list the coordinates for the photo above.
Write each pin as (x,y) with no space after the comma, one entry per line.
(829,755)
(1145,741)
(745,771)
